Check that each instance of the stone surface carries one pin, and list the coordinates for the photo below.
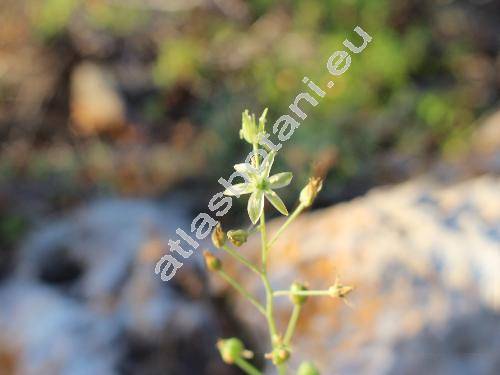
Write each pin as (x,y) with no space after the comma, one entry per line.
(84,298)
(425,261)
(480,156)
(96,105)
(485,145)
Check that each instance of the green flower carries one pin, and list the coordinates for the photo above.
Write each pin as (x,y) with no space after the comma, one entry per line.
(260,185)
(230,349)
(307,368)
(249,129)
(237,237)
(262,122)
(298,299)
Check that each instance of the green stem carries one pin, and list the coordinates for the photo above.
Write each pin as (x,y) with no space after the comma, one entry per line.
(256,154)
(267,285)
(246,366)
(269,308)
(288,221)
(282,369)
(292,323)
(263,243)
(243,291)
(241,258)
(302,293)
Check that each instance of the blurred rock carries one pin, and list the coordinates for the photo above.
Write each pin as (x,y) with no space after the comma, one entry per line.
(485,145)
(482,154)
(85,299)
(96,105)
(54,334)
(424,260)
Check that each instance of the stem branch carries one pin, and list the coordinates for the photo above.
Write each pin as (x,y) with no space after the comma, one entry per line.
(265,280)
(246,366)
(243,291)
(241,258)
(302,293)
(288,221)
(292,323)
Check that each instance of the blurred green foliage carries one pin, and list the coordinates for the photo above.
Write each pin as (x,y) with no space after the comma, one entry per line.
(12,227)
(51,16)
(178,60)
(407,93)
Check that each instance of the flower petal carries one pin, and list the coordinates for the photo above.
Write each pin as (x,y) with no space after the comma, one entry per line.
(255,205)
(239,189)
(280,180)
(276,202)
(262,121)
(268,163)
(246,169)
(248,130)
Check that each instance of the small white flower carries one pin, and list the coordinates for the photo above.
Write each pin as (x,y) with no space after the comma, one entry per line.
(260,185)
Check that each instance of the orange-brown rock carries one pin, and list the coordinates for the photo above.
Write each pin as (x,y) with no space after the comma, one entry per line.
(96,106)
(424,260)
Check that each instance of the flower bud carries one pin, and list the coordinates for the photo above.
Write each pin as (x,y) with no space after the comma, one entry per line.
(247,354)
(307,368)
(218,236)
(310,191)
(297,299)
(277,339)
(249,131)
(279,355)
(237,237)
(262,121)
(230,349)
(212,262)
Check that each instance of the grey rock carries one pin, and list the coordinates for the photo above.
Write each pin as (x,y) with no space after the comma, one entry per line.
(84,298)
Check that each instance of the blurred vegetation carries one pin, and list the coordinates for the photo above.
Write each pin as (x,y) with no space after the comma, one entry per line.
(12,227)
(414,93)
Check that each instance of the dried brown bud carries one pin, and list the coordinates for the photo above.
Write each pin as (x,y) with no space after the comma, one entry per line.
(237,237)
(310,191)
(213,263)
(339,290)
(218,236)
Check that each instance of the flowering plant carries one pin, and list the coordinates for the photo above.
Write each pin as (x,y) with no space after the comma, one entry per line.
(260,185)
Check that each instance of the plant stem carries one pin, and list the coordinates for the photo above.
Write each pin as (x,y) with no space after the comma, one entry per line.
(302,293)
(290,218)
(267,285)
(269,308)
(255,146)
(246,366)
(263,243)
(243,291)
(241,258)
(292,323)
